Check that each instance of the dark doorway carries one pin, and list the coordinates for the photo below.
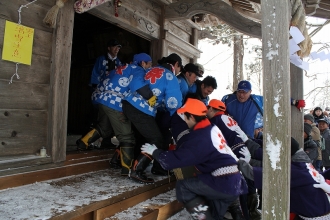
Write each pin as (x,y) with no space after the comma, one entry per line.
(90,36)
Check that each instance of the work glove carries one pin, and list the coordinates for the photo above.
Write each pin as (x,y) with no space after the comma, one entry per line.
(148,148)
(300,104)
(323,185)
(241,134)
(152,101)
(246,153)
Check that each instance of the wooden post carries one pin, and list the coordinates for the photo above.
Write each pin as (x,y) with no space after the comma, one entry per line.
(238,60)
(59,82)
(277,122)
(297,92)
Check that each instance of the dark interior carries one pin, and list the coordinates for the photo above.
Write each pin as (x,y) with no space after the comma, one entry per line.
(90,36)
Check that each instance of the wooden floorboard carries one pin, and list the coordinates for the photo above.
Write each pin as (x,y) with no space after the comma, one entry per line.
(116,199)
(125,204)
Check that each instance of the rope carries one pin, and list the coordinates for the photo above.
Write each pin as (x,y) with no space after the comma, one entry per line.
(15,74)
(20,9)
(19,22)
(298,20)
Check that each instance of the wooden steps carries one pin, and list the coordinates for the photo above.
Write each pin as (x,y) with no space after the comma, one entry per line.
(78,167)
(76,163)
(159,207)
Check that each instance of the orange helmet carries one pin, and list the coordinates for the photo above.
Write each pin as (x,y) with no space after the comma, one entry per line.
(193,106)
(217,104)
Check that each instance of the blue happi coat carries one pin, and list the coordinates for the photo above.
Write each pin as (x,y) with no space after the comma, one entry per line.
(100,69)
(117,85)
(163,83)
(205,149)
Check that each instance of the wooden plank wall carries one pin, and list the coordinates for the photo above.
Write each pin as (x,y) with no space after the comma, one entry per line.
(24,103)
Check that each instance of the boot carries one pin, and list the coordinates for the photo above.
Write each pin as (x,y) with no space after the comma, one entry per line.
(84,142)
(198,209)
(137,172)
(253,203)
(115,160)
(235,210)
(157,169)
(126,157)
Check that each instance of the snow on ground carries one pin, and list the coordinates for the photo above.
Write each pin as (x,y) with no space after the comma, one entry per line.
(42,200)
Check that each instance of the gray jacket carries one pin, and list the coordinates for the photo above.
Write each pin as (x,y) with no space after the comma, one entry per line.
(326,153)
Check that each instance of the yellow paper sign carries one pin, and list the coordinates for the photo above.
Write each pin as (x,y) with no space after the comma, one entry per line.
(17,43)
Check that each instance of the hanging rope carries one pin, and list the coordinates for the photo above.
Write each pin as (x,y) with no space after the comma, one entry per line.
(51,16)
(298,20)
(19,22)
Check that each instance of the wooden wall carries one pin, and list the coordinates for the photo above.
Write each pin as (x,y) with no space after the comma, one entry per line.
(24,103)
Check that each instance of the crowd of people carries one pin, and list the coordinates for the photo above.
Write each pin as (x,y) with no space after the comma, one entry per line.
(149,108)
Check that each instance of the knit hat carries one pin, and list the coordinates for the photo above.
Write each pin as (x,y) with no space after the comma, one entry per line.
(217,104)
(294,146)
(307,128)
(193,106)
(244,85)
(309,117)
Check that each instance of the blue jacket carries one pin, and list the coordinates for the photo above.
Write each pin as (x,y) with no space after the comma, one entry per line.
(205,149)
(100,69)
(184,86)
(164,84)
(117,85)
(246,113)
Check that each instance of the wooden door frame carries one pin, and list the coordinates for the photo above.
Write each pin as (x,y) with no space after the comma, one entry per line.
(59,82)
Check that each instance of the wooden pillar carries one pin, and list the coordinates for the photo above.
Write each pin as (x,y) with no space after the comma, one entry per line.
(238,60)
(59,82)
(194,41)
(297,92)
(277,121)
(157,51)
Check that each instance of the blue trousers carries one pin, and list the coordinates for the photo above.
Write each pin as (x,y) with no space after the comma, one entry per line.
(188,189)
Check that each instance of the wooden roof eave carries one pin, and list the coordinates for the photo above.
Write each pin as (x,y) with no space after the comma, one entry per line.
(185,9)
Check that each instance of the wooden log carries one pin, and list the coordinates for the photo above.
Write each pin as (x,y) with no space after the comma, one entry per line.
(59,81)
(277,121)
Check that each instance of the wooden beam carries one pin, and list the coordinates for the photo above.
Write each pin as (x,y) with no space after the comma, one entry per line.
(58,172)
(59,82)
(297,92)
(169,209)
(277,121)
(185,9)
(112,209)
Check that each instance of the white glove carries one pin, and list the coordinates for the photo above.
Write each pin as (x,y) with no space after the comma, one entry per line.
(247,156)
(323,185)
(241,134)
(148,148)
